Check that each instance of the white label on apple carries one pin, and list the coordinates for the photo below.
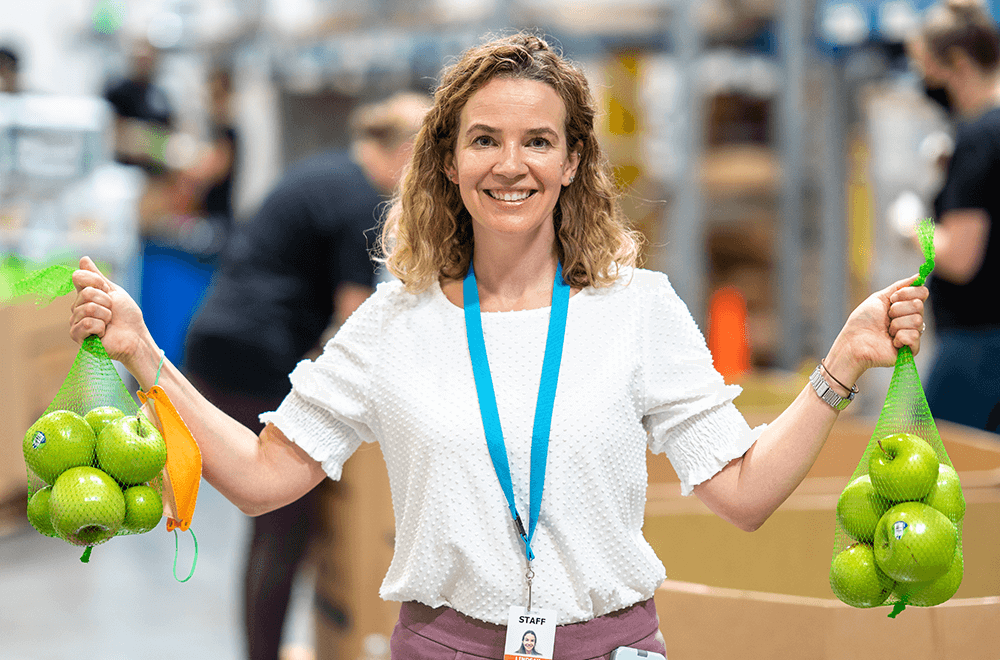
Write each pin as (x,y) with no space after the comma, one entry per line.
(898,529)
(38,440)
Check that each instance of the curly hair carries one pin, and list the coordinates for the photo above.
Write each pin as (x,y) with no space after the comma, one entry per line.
(427,231)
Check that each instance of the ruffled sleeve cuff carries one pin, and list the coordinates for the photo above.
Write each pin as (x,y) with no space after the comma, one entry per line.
(699,447)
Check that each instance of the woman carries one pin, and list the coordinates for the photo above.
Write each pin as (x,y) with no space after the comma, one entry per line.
(958,51)
(528,644)
(506,226)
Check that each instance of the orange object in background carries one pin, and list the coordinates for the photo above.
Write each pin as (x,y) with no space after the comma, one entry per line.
(728,336)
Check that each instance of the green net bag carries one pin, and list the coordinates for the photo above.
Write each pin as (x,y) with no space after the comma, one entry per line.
(899,519)
(94,460)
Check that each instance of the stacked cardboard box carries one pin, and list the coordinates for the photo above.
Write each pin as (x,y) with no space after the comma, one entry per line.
(37,355)
(354,551)
(767,594)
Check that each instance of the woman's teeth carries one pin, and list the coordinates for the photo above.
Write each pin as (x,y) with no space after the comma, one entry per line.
(510,197)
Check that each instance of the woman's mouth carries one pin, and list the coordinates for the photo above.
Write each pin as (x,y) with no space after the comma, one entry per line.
(511,196)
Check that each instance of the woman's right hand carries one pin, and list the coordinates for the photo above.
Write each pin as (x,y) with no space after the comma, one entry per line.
(104,309)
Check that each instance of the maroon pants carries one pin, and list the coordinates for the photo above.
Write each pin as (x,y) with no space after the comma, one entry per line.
(425,633)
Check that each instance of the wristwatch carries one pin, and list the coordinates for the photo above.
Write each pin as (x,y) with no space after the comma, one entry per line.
(825,392)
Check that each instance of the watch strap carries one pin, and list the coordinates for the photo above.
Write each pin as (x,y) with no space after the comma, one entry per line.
(827,393)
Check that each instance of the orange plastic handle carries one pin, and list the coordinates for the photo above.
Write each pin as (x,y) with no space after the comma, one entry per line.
(182,473)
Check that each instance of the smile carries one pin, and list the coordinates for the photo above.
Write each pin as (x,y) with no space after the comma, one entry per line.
(518,196)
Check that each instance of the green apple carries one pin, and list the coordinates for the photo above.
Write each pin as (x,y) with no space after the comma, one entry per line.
(859,509)
(856,578)
(101,416)
(902,467)
(38,511)
(946,494)
(143,509)
(87,506)
(56,442)
(914,542)
(934,592)
(131,449)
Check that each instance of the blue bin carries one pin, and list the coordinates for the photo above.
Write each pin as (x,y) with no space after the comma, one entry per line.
(173,285)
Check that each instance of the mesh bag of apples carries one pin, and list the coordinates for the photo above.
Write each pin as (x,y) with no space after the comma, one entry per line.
(94,460)
(899,519)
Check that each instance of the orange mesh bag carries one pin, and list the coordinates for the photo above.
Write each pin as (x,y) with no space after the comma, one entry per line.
(899,519)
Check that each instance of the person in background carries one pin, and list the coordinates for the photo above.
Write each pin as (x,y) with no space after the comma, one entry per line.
(144,115)
(208,183)
(289,276)
(520,326)
(958,54)
(10,82)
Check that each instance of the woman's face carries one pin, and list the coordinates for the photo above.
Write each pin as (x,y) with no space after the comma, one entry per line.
(511,159)
(528,641)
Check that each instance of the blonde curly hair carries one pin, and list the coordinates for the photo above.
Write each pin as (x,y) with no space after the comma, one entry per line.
(427,231)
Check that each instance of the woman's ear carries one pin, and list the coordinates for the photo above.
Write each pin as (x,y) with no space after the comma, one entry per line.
(449,168)
(572,164)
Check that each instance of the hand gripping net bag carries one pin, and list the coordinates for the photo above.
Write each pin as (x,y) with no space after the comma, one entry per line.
(899,519)
(97,463)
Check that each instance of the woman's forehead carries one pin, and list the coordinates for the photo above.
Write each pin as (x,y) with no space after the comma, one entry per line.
(514,102)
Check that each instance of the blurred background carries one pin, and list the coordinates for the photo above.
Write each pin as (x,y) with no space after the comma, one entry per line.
(775,153)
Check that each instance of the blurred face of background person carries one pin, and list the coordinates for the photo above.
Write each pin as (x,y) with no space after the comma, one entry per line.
(382,136)
(957,54)
(144,60)
(9,83)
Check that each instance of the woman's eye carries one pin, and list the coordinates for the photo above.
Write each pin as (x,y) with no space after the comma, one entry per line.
(483,141)
(539,142)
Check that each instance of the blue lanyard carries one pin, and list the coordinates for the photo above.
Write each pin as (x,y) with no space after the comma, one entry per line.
(543,408)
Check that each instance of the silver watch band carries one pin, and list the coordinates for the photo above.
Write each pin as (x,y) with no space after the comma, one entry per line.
(825,392)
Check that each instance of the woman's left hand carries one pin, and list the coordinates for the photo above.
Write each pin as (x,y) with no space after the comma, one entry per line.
(885,322)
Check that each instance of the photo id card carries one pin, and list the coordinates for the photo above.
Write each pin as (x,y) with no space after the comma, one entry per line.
(530,635)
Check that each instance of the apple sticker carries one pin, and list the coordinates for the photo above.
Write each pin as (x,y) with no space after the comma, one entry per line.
(898,529)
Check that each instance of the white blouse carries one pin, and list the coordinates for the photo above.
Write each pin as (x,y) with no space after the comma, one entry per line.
(635,370)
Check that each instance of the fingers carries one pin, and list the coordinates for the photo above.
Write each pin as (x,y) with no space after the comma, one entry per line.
(89,275)
(908,292)
(91,312)
(906,308)
(901,284)
(906,313)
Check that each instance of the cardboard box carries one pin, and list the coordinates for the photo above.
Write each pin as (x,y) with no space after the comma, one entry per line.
(353,555)
(791,553)
(37,355)
(766,594)
(700,622)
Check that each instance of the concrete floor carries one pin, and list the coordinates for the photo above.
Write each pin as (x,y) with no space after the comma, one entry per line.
(125,604)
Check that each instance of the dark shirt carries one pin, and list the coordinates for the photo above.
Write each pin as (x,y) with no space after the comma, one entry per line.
(218,201)
(972,182)
(273,294)
(142,100)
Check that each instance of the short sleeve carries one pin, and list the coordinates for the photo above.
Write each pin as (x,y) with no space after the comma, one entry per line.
(969,170)
(688,408)
(328,411)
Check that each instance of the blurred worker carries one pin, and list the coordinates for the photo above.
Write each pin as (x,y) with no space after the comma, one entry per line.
(958,55)
(205,189)
(9,71)
(299,265)
(143,113)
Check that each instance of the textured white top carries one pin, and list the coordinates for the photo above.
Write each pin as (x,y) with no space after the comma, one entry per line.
(635,370)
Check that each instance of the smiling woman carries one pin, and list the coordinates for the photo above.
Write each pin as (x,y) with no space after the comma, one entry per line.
(512,117)
(516,442)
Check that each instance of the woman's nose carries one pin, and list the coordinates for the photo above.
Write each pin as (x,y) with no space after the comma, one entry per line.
(510,163)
